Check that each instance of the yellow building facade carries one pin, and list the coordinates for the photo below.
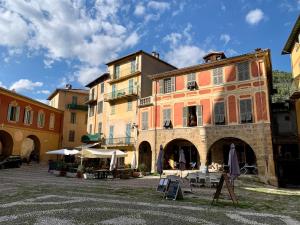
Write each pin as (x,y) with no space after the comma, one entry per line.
(292,47)
(72,102)
(114,97)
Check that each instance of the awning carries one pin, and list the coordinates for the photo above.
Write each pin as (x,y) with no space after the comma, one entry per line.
(90,138)
(100,153)
(63,152)
(87,145)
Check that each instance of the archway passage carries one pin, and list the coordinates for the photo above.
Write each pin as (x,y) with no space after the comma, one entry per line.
(218,153)
(6,144)
(145,155)
(35,152)
(171,155)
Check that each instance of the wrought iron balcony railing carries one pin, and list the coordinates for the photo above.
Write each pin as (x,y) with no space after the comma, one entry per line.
(122,93)
(119,141)
(77,107)
(145,101)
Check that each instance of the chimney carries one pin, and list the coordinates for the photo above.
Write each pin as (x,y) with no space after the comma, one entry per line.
(68,86)
(155,54)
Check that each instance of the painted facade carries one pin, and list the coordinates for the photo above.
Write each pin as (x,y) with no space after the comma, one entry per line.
(27,127)
(72,102)
(204,108)
(114,98)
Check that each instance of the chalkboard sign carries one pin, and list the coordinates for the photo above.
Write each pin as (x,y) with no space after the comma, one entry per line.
(174,191)
(162,185)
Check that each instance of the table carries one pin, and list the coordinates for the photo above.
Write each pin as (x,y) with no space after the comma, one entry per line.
(101,174)
(247,169)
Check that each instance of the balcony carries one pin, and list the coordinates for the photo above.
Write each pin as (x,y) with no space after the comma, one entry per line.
(124,74)
(145,101)
(77,107)
(92,99)
(120,94)
(122,141)
(294,90)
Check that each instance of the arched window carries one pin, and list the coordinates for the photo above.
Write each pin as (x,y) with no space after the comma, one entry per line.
(28,115)
(41,119)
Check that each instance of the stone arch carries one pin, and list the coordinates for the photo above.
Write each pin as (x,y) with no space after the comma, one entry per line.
(218,152)
(6,143)
(171,154)
(34,154)
(145,155)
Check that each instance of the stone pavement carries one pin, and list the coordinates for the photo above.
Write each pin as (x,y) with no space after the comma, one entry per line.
(30,195)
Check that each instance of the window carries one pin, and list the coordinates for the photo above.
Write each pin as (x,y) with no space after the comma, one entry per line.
(130,86)
(144,120)
(91,110)
(167,123)
(113,110)
(73,118)
(52,121)
(191,77)
(192,116)
(100,107)
(133,66)
(91,129)
(128,133)
(111,134)
(246,111)
(28,116)
(92,94)
(102,88)
(167,85)
(100,127)
(117,72)
(191,81)
(129,105)
(74,100)
(218,75)
(41,119)
(13,112)
(243,71)
(71,136)
(219,113)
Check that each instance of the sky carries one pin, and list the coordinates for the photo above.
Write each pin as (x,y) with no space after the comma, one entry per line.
(45,44)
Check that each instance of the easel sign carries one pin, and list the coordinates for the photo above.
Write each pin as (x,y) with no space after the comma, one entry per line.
(233,197)
(163,185)
(174,191)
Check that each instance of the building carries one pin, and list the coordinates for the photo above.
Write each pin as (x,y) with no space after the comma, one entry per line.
(72,102)
(114,97)
(202,109)
(292,47)
(27,127)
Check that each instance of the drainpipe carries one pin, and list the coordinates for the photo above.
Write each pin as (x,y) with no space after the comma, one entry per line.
(155,129)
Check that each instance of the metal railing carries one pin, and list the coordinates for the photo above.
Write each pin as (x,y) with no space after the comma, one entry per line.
(119,141)
(77,107)
(145,101)
(124,72)
(126,92)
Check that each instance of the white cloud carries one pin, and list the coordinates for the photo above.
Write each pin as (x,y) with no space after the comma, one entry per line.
(185,55)
(45,92)
(87,74)
(179,10)
(231,52)
(2,85)
(223,7)
(67,30)
(139,9)
(254,16)
(160,6)
(173,38)
(226,38)
(25,84)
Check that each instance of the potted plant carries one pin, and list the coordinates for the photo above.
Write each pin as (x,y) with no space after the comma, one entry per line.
(62,168)
(142,168)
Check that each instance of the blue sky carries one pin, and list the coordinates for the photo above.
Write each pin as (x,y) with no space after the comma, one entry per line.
(45,44)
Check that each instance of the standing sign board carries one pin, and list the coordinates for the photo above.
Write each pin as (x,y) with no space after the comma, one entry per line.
(174,191)
(163,185)
(233,197)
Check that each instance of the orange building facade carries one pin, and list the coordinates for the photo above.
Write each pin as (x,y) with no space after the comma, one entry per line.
(27,127)
(202,109)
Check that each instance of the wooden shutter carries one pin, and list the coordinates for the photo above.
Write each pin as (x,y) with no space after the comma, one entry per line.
(172,84)
(199,115)
(161,86)
(184,116)
(9,112)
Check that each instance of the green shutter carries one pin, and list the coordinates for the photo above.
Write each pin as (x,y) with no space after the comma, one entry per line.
(161,86)
(172,84)
(199,115)
(8,112)
(17,113)
(184,116)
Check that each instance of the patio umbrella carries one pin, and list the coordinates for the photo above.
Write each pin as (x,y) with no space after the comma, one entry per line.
(182,161)
(113,161)
(159,163)
(233,163)
(62,152)
(133,162)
